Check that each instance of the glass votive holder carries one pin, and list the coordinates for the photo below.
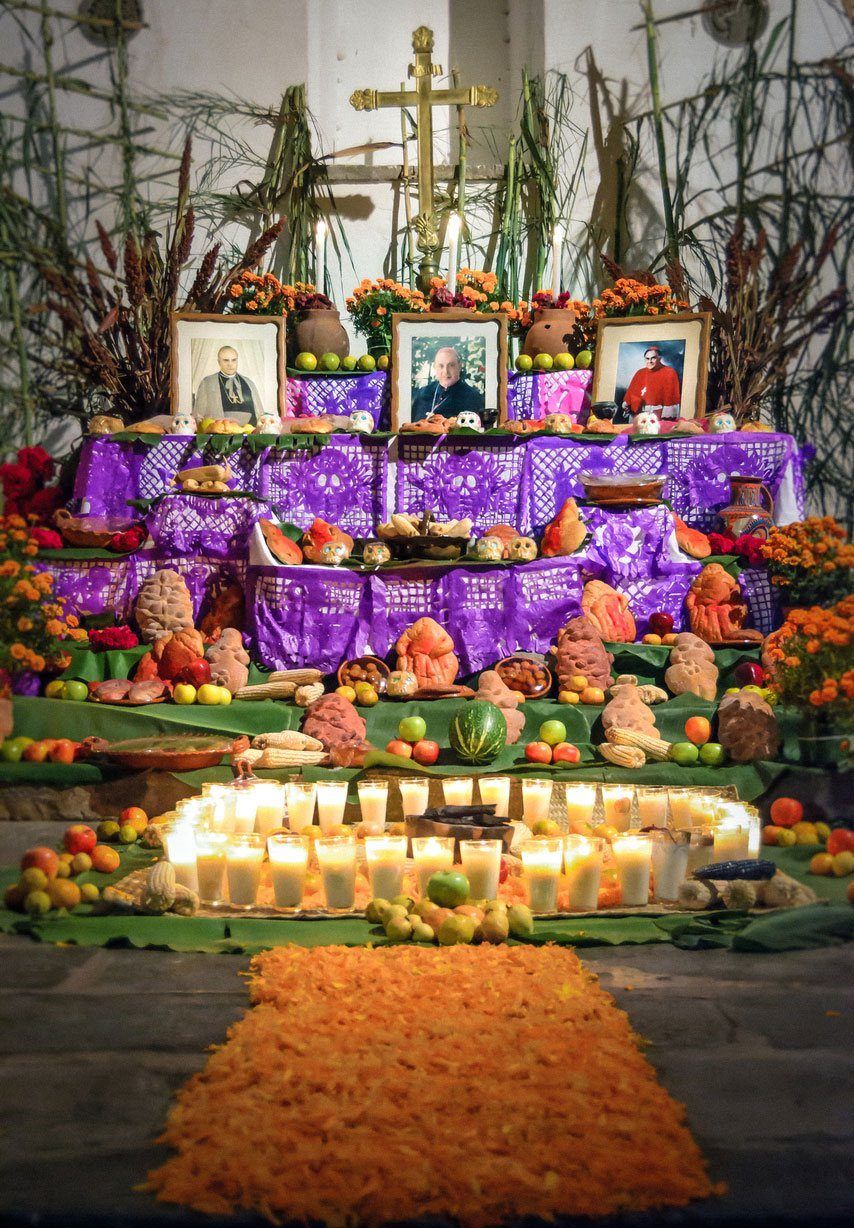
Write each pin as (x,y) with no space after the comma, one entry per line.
(701,844)
(373,803)
(583,857)
(679,801)
(336,857)
(431,854)
(617,806)
(732,840)
(495,791)
(414,795)
(386,858)
(244,855)
(299,799)
(670,851)
(245,809)
(269,806)
(225,797)
(481,863)
(536,801)
(210,865)
(458,790)
(633,855)
(331,804)
(179,842)
(541,863)
(288,854)
(580,806)
(702,807)
(747,816)
(652,807)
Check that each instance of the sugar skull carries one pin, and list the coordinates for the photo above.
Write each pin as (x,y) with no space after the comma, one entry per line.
(334,554)
(375,554)
(401,684)
(721,423)
(647,423)
(469,420)
(561,424)
(489,549)
(268,424)
(361,420)
(522,550)
(183,423)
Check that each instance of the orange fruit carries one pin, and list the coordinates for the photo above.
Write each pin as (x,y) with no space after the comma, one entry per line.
(105,859)
(786,811)
(770,833)
(806,833)
(822,863)
(63,893)
(592,695)
(698,730)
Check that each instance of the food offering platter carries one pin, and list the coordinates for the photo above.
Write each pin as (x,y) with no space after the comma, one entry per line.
(172,754)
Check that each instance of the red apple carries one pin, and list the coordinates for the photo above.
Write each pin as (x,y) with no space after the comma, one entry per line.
(43,858)
(397,746)
(37,752)
(661,623)
(566,752)
(538,752)
(425,752)
(79,838)
(749,673)
(196,674)
(62,751)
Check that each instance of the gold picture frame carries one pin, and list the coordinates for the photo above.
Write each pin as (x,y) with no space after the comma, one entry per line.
(234,329)
(690,329)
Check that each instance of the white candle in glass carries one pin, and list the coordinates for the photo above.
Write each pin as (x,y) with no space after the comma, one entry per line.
(321,230)
(414,794)
(617,806)
(386,858)
(210,865)
(669,863)
(747,816)
(703,808)
(541,861)
(452,237)
(583,857)
(580,805)
(652,807)
(458,790)
(270,806)
(300,798)
(558,235)
(336,857)
(495,791)
(179,839)
(288,865)
(633,855)
(224,797)
(244,855)
(701,843)
(331,803)
(373,802)
(536,800)
(481,862)
(679,801)
(731,841)
(245,809)
(431,854)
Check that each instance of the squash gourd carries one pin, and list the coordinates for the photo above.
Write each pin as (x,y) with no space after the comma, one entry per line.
(478,733)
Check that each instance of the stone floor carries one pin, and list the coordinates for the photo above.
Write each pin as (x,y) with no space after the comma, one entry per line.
(93,1043)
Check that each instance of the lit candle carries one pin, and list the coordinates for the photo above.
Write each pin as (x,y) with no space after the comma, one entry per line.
(679,801)
(732,841)
(669,863)
(633,856)
(583,857)
(481,861)
(558,235)
(495,791)
(617,806)
(210,865)
(179,839)
(243,857)
(536,800)
(320,232)
(541,861)
(747,816)
(223,796)
(300,798)
(652,807)
(703,808)
(288,864)
(386,858)
(245,809)
(414,795)
(452,235)
(580,804)
(373,801)
(336,856)
(458,790)
(331,803)
(431,854)
(701,842)
(269,806)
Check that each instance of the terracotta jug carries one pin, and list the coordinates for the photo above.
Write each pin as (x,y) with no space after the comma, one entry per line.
(551,333)
(320,332)
(751,508)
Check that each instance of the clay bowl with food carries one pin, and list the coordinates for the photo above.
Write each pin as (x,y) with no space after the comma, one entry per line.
(181,753)
(526,672)
(93,532)
(623,489)
(364,669)
(427,546)
(475,822)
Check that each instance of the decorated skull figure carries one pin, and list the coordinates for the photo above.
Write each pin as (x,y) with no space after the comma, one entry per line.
(361,420)
(489,549)
(183,423)
(268,424)
(721,423)
(375,554)
(469,420)
(334,554)
(522,550)
(401,684)
(647,423)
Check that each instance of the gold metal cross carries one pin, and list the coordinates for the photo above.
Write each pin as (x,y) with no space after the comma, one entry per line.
(423,97)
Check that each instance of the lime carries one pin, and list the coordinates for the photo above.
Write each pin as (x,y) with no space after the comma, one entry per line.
(306,361)
(10,753)
(128,834)
(584,360)
(544,362)
(684,753)
(382,362)
(75,690)
(330,362)
(54,689)
(564,362)
(37,903)
(524,362)
(89,893)
(712,754)
(349,362)
(367,363)
(552,732)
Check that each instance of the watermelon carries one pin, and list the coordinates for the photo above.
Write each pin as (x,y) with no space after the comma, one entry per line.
(478,732)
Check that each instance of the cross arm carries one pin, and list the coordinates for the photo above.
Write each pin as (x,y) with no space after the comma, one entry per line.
(373,100)
(473,96)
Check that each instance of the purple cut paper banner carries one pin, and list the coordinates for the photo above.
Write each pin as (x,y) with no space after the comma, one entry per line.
(536,394)
(187,525)
(314,396)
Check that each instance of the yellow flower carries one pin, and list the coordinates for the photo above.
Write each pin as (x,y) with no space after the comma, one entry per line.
(24,625)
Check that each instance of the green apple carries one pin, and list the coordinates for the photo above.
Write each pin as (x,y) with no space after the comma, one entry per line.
(10,753)
(684,753)
(184,693)
(412,728)
(524,362)
(544,362)
(55,689)
(330,362)
(712,754)
(448,888)
(584,360)
(208,694)
(306,361)
(75,691)
(564,362)
(367,363)
(349,362)
(552,732)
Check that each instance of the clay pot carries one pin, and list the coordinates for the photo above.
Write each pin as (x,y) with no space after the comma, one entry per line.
(320,332)
(751,509)
(551,333)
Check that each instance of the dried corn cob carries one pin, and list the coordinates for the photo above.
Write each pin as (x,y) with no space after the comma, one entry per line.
(622,756)
(298,676)
(654,748)
(305,695)
(275,758)
(286,739)
(649,694)
(249,756)
(267,690)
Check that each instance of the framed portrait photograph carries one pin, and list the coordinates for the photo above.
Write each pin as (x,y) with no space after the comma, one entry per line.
(228,366)
(448,362)
(657,363)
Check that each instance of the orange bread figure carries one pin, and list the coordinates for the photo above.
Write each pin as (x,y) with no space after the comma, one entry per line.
(609,612)
(565,533)
(426,650)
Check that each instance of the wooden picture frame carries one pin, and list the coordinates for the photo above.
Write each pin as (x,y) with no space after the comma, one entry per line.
(406,327)
(233,328)
(690,329)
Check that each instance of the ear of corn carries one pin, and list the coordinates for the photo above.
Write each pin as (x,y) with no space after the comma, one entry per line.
(275,758)
(305,695)
(267,690)
(622,756)
(654,748)
(298,677)
(286,739)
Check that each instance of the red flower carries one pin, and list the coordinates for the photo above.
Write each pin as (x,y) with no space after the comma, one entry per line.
(130,539)
(39,462)
(722,543)
(45,502)
(46,539)
(749,547)
(106,639)
(17,481)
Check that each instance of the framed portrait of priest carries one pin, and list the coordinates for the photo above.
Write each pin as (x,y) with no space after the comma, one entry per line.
(654,364)
(228,366)
(448,363)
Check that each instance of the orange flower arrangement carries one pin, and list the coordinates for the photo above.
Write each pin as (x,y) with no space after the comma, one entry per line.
(372,303)
(266,295)
(629,297)
(810,561)
(30,628)
(810,659)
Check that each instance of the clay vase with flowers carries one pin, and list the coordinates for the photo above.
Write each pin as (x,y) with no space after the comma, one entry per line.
(313,323)
(810,562)
(371,306)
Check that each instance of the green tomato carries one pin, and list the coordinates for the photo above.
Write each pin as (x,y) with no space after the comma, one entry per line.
(712,754)
(544,362)
(75,691)
(584,360)
(412,728)
(684,753)
(367,363)
(552,732)
(448,888)
(524,362)
(305,361)
(330,362)
(349,362)
(10,753)
(564,362)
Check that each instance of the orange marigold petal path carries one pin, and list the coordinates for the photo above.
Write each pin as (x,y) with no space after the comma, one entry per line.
(484,1083)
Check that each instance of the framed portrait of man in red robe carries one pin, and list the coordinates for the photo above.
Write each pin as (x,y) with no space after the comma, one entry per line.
(653,364)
